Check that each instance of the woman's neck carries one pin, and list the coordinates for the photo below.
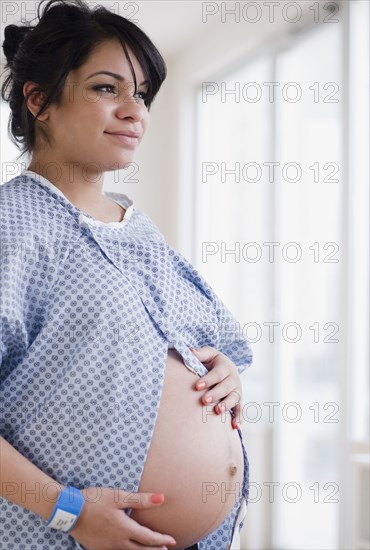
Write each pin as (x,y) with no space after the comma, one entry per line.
(81,187)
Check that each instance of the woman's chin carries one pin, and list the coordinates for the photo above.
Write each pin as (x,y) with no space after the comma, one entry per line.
(119,163)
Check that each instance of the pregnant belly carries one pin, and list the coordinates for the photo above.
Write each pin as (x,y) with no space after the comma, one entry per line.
(195,459)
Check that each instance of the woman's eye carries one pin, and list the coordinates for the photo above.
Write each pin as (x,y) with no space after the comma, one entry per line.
(143,95)
(110,89)
(102,87)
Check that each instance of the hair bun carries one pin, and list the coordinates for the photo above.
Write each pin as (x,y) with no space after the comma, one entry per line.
(13,37)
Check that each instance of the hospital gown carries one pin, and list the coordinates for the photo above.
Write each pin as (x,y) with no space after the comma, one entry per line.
(88,311)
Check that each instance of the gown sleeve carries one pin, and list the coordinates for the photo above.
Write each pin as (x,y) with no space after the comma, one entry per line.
(27,274)
(226,334)
(15,281)
(232,342)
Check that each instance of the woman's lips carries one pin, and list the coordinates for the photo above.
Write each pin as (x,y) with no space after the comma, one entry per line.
(126,139)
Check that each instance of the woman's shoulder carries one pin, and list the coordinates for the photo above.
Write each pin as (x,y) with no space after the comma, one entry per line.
(16,204)
(33,234)
(27,210)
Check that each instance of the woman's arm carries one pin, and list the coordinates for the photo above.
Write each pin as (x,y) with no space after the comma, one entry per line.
(22,483)
(101,523)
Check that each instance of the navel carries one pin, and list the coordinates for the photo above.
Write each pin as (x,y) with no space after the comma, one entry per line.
(233,469)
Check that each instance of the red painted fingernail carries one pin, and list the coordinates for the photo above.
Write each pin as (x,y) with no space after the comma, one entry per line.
(157,498)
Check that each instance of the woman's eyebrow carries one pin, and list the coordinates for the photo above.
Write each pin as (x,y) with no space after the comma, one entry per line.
(115,75)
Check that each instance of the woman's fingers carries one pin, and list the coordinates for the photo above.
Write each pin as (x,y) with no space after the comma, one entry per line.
(229,402)
(237,418)
(213,377)
(225,392)
(104,523)
(123,499)
(148,538)
(134,545)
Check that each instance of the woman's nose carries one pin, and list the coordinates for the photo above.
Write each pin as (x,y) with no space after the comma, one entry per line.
(131,106)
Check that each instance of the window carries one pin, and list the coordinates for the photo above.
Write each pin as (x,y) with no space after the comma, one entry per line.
(281,198)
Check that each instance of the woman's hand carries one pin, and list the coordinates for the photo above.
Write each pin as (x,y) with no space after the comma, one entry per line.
(103,523)
(224,381)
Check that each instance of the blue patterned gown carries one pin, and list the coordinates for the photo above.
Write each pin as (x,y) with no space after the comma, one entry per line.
(87,313)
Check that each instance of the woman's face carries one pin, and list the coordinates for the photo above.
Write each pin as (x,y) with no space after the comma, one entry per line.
(93,108)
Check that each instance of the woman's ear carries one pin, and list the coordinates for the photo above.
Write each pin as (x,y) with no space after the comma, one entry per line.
(35,100)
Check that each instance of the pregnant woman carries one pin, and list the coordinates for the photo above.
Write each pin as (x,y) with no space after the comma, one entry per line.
(120,389)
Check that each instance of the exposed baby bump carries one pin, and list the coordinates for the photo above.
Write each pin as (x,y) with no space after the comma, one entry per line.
(195,459)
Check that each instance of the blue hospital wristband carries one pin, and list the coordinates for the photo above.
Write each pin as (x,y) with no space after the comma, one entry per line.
(67,509)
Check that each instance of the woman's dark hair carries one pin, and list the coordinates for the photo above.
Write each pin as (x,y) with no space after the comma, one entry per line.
(66,34)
